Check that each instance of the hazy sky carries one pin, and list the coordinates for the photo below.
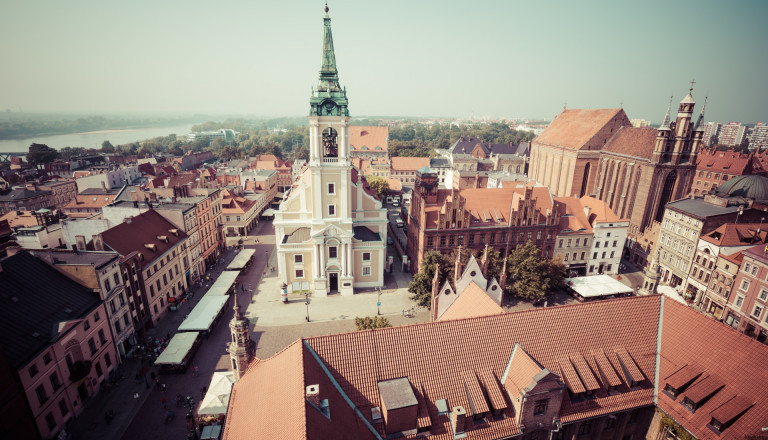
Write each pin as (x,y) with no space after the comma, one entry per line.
(396,57)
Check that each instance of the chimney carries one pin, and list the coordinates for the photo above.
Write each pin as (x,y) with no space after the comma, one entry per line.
(104,186)
(313,395)
(457,420)
(587,210)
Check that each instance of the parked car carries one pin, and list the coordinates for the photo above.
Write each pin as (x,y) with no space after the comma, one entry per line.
(395,203)
(399,223)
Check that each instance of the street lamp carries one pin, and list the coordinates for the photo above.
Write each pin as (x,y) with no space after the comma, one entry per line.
(378,302)
(306,302)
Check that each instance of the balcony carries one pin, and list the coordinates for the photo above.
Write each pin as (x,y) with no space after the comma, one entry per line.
(330,160)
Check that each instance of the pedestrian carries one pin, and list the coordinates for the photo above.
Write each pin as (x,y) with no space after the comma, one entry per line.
(136,396)
(179,400)
(194,371)
(163,401)
(202,391)
(164,389)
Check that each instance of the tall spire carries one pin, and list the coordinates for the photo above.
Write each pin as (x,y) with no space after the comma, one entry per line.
(665,124)
(701,116)
(329,74)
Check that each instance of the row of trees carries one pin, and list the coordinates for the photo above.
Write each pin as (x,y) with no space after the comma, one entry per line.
(529,275)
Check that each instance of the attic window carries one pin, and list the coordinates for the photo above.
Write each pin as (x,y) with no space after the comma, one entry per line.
(376,414)
(473,273)
(442,407)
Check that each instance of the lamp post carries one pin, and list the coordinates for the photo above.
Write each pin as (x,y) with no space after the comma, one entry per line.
(378,301)
(306,302)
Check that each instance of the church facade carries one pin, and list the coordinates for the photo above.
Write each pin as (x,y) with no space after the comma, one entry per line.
(330,231)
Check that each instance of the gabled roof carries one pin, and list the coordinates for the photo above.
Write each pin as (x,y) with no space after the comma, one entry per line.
(730,234)
(599,212)
(575,219)
(135,233)
(465,145)
(633,141)
(374,138)
(32,310)
(471,302)
(574,128)
(729,162)
(408,163)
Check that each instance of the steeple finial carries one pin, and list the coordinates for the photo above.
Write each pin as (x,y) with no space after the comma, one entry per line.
(236,307)
(692,83)
(665,123)
(701,115)
(326,7)
(329,74)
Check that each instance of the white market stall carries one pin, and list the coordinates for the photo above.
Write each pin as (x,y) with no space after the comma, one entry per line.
(177,355)
(216,399)
(226,280)
(242,260)
(596,287)
(205,314)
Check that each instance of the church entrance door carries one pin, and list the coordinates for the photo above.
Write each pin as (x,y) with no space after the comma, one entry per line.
(333,282)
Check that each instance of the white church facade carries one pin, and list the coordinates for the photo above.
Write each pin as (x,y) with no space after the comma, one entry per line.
(331,232)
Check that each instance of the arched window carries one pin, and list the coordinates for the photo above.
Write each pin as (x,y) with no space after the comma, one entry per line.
(329,142)
(666,195)
(585,180)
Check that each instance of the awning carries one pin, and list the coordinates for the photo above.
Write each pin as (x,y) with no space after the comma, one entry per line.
(216,399)
(241,260)
(201,318)
(225,281)
(177,348)
(596,286)
(269,212)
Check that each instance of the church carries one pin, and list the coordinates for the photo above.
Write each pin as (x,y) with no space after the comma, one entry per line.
(636,171)
(330,231)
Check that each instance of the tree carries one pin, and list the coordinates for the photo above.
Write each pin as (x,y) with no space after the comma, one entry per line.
(378,184)
(421,286)
(176,148)
(41,154)
(277,152)
(303,154)
(529,275)
(369,323)
(107,147)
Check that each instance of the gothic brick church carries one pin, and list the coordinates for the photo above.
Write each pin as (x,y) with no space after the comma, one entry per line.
(636,171)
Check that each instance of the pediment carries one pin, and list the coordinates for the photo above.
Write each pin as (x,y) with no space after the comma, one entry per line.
(332,231)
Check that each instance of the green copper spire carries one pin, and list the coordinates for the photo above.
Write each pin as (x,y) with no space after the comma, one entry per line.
(329,99)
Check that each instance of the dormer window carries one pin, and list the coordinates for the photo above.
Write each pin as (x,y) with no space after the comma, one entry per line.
(329,142)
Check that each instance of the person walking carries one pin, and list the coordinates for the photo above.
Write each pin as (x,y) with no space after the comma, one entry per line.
(164,388)
(163,401)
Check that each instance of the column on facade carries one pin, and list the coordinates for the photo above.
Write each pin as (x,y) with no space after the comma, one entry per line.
(349,259)
(343,144)
(316,259)
(343,258)
(322,260)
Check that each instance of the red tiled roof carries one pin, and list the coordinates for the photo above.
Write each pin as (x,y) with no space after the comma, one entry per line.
(575,218)
(369,137)
(599,212)
(633,141)
(145,228)
(729,357)
(729,162)
(408,163)
(470,303)
(573,128)
(731,234)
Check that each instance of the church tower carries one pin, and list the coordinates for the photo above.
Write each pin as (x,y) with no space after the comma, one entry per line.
(240,345)
(330,231)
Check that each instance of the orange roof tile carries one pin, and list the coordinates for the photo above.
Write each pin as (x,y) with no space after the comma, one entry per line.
(471,302)
(573,128)
(575,218)
(633,141)
(369,137)
(730,234)
(729,162)
(408,163)
(599,212)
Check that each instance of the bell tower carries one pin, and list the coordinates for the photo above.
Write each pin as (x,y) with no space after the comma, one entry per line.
(240,345)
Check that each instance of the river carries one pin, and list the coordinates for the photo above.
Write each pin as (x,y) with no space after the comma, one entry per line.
(93,139)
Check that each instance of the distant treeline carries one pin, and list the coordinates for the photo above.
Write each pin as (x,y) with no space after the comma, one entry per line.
(19,127)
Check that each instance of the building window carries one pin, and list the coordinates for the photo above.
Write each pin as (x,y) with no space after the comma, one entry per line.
(32,370)
(47,358)
(763,295)
(461,240)
(54,378)
(757,312)
(451,241)
(331,188)
(298,258)
(92,345)
(442,241)
(540,407)
(102,339)
(366,271)
(366,256)
(597,244)
(152,291)
(50,421)
(594,255)
(585,428)
(299,273)
(430,241)
(332,252)
(745,285)
(41,396)
(99,371)
(471,239)
(86,324)
(63,408)
(331,209)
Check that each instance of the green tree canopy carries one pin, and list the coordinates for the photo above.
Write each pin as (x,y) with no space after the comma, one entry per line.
(371,322)
(531,276)
(107,147)
(378,184)
(421,286)
(41,154)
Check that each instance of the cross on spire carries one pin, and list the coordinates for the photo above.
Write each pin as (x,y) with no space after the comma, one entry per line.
(692,83)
